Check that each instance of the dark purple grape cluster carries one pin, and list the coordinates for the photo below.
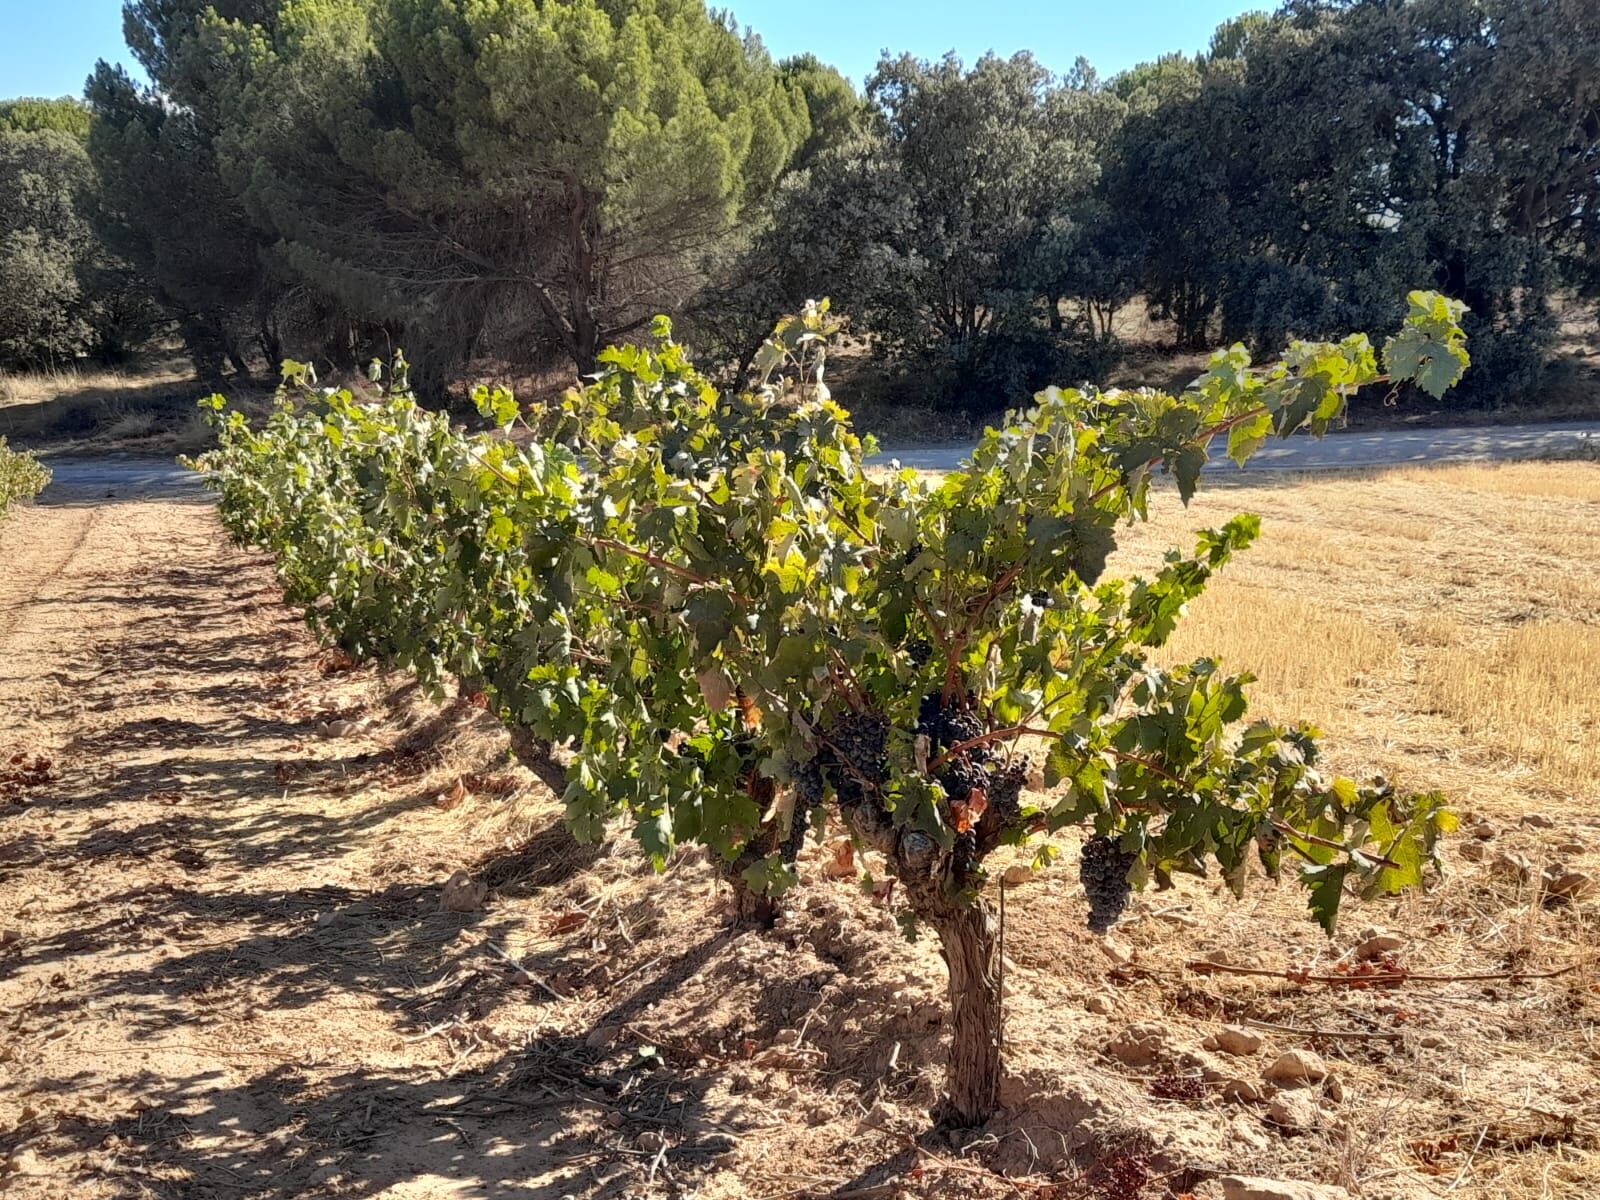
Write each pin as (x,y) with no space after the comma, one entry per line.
(948,725)
(799,824)
(861,740)
(959,776)
(858,751)
(1121,1174)
(919,651)
(807,796)
(1005,793)
(964,855)
(1103,870)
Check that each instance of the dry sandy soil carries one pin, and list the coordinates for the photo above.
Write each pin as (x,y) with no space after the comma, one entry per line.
(225,968)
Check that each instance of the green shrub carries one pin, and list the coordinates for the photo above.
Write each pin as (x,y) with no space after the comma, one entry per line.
(22,477)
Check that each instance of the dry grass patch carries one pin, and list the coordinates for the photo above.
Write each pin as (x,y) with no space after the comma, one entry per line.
(1515,479)
(1304,656)
(1465,659)
(32,387)
(1533,698)
(147,408)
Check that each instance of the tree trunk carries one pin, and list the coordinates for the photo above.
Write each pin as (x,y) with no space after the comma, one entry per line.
(972,952)
(750,909)
(241,367)
(584,284)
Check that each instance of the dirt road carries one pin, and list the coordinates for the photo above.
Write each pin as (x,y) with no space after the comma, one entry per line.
(226,967)
(219,974)
(1353,451)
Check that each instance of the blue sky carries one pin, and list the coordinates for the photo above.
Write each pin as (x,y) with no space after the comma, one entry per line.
(1111,34)
(48,47)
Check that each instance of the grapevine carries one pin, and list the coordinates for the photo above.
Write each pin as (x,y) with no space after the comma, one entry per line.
(22,476)
(740,633)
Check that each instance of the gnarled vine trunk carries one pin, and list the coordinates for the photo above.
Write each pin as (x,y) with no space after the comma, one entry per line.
(747,908)
(968,936)
(970,940)
(750,909)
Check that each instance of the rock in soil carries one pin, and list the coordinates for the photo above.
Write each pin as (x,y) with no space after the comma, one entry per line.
(1297,1068)
(1512,865)
(1138,1045)
(1293,1110)
(1235,1039)
(461,894)
(1198,1062)
(1377,945)
(1246,1187)
(1243,1091)
(1569,885)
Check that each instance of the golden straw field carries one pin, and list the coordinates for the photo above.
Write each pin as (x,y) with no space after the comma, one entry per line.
(1441,622)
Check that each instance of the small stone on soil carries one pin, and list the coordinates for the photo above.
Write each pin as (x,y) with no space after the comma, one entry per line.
(1234,1039)
(1377,945)
(1569,885)
(462,894)
(1246,1187)
(1293,1110)
(1242,1091)
(1297,1068)
(1138,1045)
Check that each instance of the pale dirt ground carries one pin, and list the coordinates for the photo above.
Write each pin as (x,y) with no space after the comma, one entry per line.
(225,971)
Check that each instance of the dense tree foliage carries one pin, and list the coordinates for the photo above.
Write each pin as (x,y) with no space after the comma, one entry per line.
(168,211)
(33,115)
(743,635)
(929,226)
(63,293)
(1318,161)
(45,241)
(484,175)
(1294,179)
(519,182)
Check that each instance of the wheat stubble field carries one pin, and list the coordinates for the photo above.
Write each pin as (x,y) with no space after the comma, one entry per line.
(225,968)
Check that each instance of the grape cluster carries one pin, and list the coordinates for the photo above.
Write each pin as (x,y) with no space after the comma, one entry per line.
(959,776)
(1005,793)
(807,796)
(964,855)
(808,783)
(1189,1088)
(976,768)
(1121,1174)
(799,824)
(919,651)
(1103,870)
(947,725)
(860,745)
